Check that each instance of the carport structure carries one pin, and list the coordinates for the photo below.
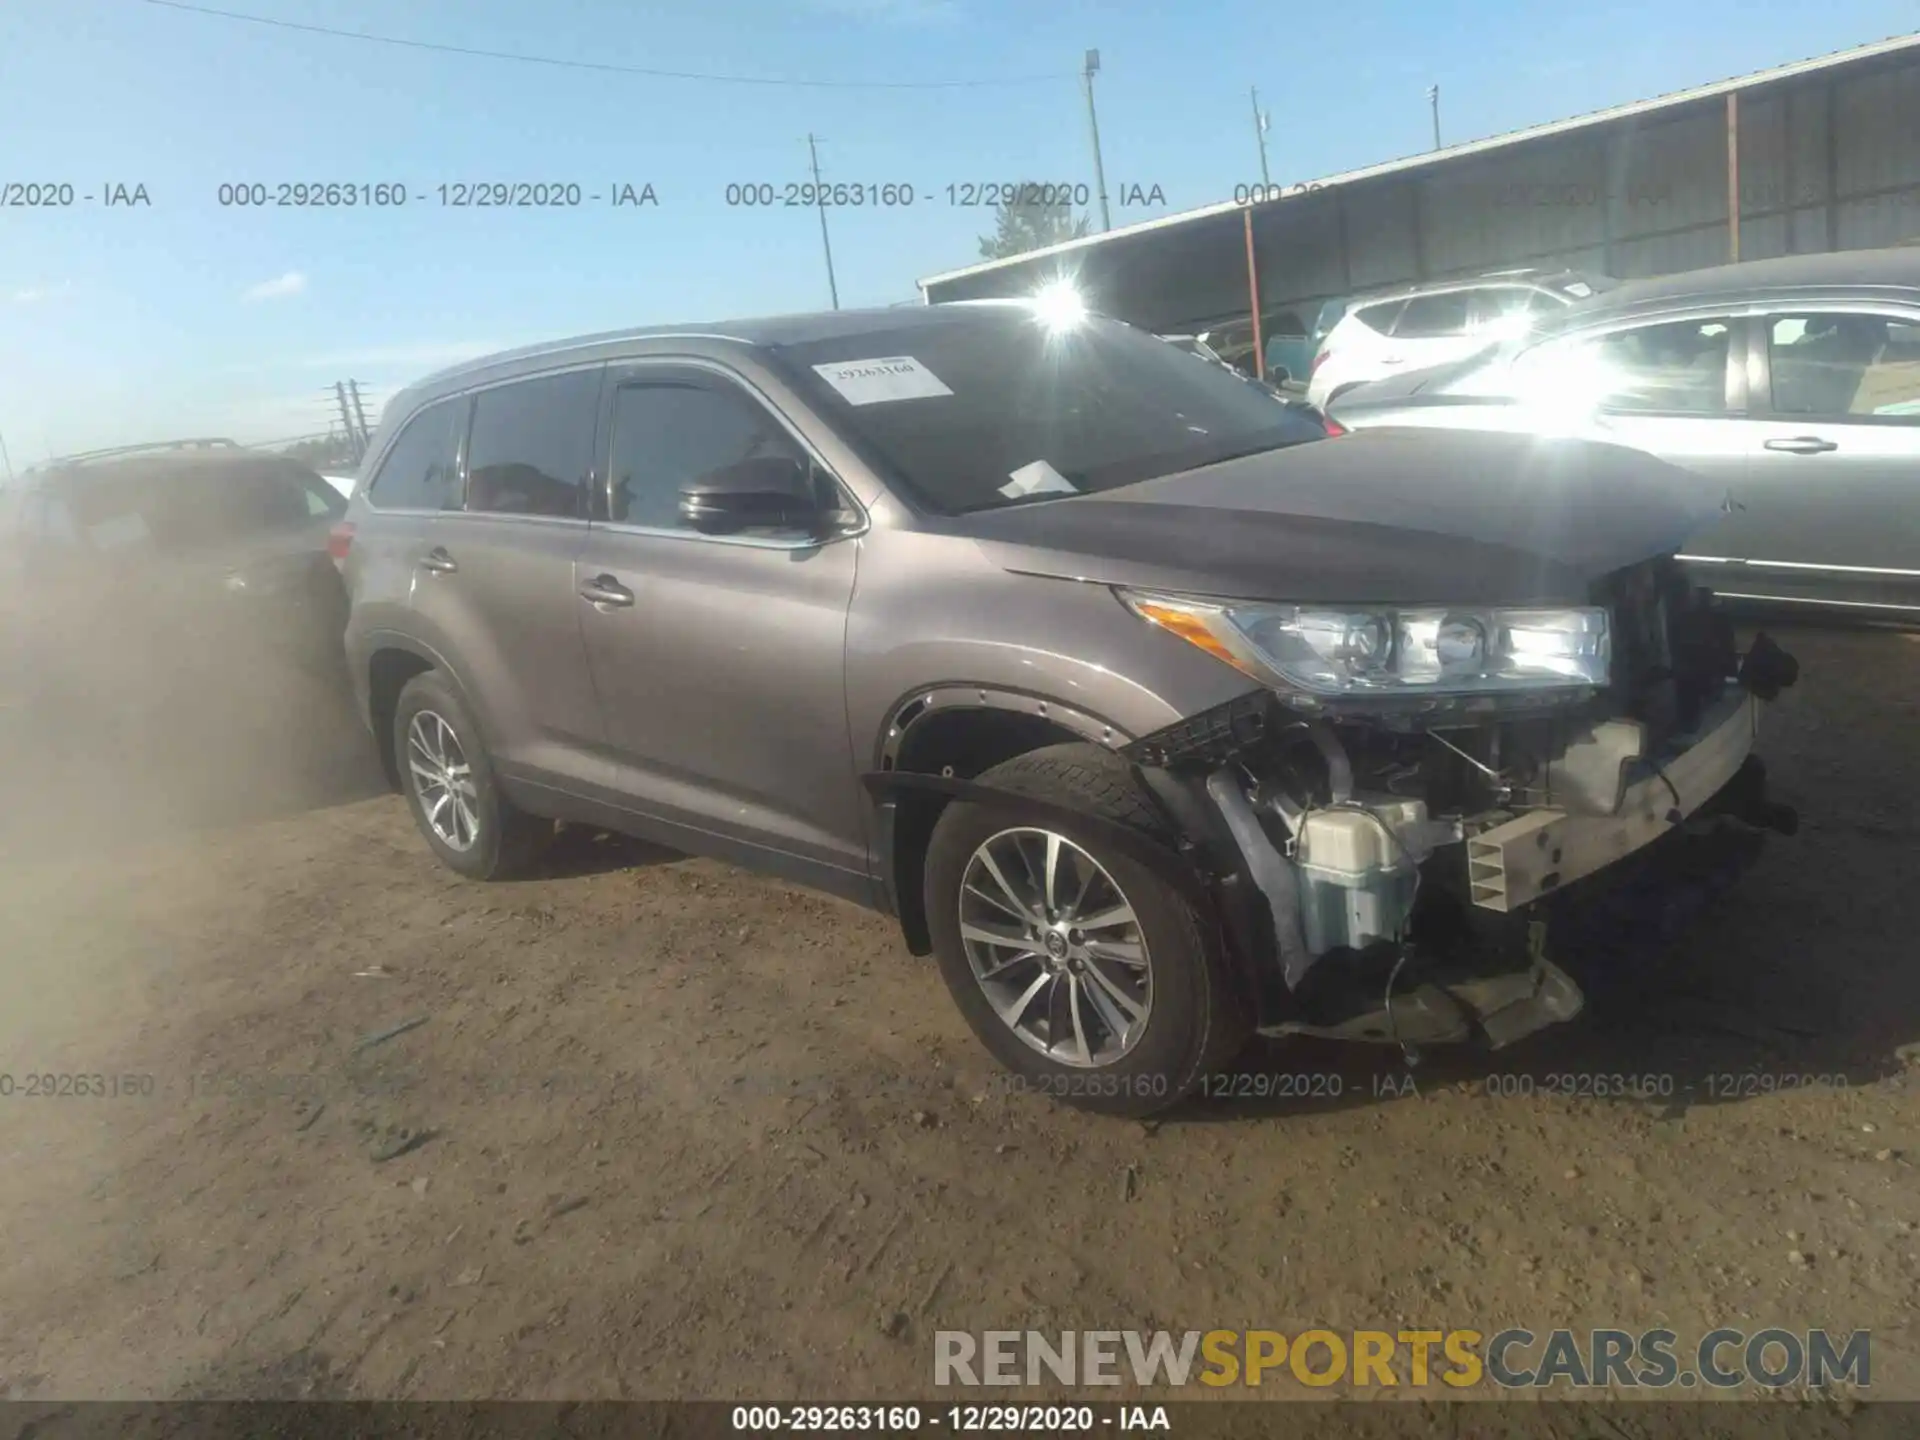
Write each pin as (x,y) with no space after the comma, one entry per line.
(1822,154)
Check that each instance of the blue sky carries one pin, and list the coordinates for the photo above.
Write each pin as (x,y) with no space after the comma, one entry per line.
(185,317)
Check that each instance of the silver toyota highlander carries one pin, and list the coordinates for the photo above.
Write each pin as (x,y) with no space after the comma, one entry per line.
(1154,714)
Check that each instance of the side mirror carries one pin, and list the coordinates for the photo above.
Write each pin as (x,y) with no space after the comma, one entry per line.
(771,491)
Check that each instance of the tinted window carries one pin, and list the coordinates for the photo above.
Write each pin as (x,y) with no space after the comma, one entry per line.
(1380,317)
(668,434)
(531,446)
(1841,364)
(1676,368)
(177,507)
(418,472)
(990,407)
(1429,317)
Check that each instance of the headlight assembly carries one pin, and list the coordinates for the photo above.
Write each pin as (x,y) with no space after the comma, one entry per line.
(1388,651)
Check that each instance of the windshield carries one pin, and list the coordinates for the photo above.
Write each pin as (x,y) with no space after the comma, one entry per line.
(990,408)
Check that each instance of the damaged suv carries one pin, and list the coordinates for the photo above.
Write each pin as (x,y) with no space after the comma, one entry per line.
(1154,714)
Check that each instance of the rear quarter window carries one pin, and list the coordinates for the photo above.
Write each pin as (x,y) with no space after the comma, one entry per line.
(418,472)
(1378,317)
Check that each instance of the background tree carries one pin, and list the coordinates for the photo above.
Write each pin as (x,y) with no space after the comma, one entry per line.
(1020,227)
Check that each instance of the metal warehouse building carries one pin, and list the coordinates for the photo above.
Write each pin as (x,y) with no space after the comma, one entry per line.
(1819,155)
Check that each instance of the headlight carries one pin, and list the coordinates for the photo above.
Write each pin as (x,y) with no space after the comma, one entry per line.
(1388,651)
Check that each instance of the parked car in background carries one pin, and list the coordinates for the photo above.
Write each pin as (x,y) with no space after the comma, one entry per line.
(1197,346)
(1089,662)
(134,576)
(1792,385)
(1422,325)
(1291,346)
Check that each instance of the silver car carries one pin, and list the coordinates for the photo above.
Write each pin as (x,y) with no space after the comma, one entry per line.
(1152,713)
(1792,386)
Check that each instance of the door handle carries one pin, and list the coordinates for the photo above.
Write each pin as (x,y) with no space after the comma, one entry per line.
(605,590)
(438,561)
(1802,445)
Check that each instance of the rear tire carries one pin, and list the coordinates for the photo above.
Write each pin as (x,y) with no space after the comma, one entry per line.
(450,786)
(1089,1025)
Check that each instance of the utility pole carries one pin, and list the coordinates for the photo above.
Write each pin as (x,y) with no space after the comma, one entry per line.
(360,416)
(1093,123)
(1260,134)
(346,416)
(820,201)
(6,457)
(1433,99)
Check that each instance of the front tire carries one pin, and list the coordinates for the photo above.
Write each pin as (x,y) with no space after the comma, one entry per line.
(451,788)
(1088,974)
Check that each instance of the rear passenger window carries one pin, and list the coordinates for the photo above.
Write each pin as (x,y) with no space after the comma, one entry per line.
(1432,317)
(665,435)
(1836,365)
(530,450)
(1379,318)
(418,472)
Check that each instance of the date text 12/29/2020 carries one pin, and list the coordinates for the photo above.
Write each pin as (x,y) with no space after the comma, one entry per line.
(900,194)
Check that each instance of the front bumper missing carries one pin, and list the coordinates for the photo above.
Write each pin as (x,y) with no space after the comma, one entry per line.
(1517,862)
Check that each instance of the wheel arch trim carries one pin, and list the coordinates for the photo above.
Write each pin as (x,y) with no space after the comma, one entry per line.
(914,708)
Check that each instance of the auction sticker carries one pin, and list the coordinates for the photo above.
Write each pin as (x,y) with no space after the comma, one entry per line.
(872,382)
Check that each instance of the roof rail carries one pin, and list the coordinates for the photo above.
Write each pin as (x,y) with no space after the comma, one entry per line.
(153,447)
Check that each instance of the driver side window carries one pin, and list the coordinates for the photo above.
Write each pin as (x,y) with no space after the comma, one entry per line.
(670,433)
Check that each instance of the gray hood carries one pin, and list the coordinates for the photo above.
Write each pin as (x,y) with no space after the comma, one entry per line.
(1393,516)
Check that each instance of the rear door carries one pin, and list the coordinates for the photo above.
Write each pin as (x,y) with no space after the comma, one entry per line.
(1833,455)
(720,659)
(495,579)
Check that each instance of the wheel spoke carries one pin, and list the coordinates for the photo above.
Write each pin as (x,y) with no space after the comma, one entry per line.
(1011,1013)
(1081,1049)
(1003,906)
(1006,965)
(1050,891)
(1005,939)
(1108,996)
(992,867)
(1127,952)
(1121,914)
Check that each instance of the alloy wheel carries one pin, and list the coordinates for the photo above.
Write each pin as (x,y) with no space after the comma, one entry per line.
(443,780)
(1056,947)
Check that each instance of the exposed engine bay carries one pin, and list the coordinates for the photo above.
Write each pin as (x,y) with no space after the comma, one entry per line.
(1407,861)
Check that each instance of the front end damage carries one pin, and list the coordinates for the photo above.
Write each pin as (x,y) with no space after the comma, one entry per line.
(1394,875)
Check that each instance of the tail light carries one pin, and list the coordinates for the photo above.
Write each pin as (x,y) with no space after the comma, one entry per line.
(339,542)
(1334,427)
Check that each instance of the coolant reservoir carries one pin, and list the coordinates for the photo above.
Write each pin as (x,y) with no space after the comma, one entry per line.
(1357,873)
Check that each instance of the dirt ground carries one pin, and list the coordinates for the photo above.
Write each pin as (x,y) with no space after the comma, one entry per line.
(668,1129)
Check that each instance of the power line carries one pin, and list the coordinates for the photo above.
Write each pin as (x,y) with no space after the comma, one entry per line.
(603,66)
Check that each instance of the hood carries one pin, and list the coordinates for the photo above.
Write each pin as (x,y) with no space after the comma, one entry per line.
(1399,517)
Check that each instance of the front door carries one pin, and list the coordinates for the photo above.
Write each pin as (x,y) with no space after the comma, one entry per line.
(719,659)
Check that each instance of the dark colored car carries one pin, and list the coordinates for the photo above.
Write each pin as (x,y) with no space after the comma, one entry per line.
(130,573)
(1155,714)
(1789,386)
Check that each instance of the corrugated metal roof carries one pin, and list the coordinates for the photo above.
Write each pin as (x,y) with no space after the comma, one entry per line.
(1889,46)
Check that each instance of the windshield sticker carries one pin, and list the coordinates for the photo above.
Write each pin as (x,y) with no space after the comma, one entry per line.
(1039,478)
(872,382)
